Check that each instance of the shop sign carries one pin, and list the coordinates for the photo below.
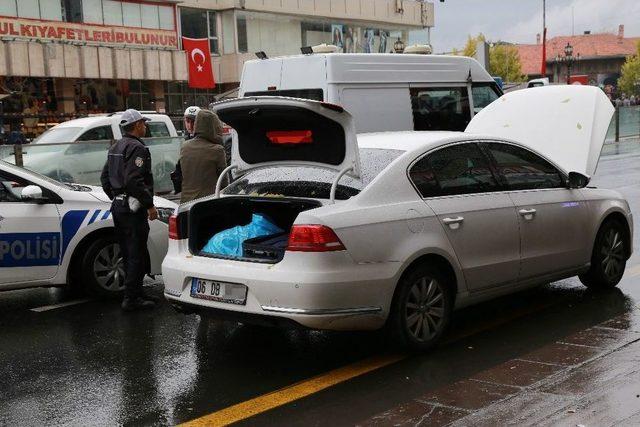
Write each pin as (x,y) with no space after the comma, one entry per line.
(87,33)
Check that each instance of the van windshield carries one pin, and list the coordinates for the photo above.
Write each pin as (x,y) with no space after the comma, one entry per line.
(312,182)
(313,94)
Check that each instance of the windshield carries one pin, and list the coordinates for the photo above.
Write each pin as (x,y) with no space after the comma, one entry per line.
(312,182)
(57,134)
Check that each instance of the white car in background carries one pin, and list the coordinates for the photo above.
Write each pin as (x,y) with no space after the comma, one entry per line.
(82,163)
(57,234)
(423,222)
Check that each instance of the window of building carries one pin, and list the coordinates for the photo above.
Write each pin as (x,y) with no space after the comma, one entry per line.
(112,12)
(131,16)
(167,21)
(523,170)
(458,169)
(50,10)
(8,8)
(150,16)
(243,43)
(228,32)
(200,24)
(28,9)
(139,97)
(440,108)
(92,11)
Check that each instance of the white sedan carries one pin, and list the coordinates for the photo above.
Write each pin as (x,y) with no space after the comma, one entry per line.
(57,234)
(400,228)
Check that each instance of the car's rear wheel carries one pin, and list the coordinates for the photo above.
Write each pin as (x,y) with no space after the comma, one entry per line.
(609,257)
(102,268)
(421,311)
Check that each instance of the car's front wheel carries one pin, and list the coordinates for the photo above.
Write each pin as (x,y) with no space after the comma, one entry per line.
(609,257)
(102,268)
(422,308)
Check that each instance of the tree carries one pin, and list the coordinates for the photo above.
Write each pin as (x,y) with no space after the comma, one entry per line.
(471,47)
(629,82)
(504,61)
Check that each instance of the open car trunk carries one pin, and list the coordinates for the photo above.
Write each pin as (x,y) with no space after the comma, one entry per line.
(210,217)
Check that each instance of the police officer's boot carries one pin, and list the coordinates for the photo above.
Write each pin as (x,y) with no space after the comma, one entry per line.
(137,303)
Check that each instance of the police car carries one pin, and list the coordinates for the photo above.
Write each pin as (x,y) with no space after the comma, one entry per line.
(53,234)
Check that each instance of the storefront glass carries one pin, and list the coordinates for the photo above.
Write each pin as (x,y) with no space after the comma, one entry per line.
(284,35)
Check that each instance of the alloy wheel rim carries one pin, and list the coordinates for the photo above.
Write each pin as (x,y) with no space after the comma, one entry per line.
(108,268)
(424,309)
(612,252)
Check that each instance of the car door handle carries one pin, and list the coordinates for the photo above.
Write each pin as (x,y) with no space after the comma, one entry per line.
(527,213)
(453,223)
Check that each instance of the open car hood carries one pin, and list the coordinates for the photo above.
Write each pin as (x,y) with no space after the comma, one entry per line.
(567,124)
(278,131)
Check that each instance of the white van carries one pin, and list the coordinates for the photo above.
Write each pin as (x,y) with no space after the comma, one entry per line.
(383,92)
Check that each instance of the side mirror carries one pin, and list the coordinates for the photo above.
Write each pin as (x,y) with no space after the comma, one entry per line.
(578,180)
(31,192)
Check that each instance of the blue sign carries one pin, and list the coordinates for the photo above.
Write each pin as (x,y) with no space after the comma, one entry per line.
(29,249)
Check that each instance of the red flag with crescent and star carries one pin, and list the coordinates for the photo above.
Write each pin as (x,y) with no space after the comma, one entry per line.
(199,59)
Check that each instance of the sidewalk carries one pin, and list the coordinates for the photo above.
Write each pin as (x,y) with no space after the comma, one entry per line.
(591,378)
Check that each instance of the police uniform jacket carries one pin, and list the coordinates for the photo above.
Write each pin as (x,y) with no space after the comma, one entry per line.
(128,171)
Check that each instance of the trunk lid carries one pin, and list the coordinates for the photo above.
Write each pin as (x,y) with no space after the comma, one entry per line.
(277,131)
(567,124)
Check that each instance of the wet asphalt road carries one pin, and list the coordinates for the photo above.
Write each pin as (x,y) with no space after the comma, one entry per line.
(91,364)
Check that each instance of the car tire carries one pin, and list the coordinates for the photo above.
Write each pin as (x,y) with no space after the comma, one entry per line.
(102,269)
(422,308)
(609,257)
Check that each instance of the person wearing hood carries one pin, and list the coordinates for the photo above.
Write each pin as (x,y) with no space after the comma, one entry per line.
(203,158)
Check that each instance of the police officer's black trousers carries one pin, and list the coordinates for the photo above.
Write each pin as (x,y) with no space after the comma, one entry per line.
(132,230)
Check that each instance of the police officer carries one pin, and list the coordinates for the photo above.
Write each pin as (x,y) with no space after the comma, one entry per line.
(127,180)
(189,127)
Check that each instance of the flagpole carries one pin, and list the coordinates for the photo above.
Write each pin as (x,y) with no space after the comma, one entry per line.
(544,39)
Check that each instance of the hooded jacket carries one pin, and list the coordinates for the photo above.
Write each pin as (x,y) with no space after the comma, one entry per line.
(202,158)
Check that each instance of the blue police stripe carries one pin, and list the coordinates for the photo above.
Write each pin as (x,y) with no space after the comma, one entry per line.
(94,216)
(106,215)
(71,222)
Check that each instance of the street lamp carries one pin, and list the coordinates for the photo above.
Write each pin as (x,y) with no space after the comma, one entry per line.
(568,59)
(398,46)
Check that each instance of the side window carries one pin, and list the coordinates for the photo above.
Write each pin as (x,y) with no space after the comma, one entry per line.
(157,129)
(440,108)
(458,169)
(97,134)
(11,188)
(483,95)
(524,170)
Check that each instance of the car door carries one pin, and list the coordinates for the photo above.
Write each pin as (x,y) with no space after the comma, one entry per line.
(553,219)
(29,234)
(478,217)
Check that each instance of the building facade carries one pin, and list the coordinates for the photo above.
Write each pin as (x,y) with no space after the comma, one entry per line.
(598,57)
(65,58)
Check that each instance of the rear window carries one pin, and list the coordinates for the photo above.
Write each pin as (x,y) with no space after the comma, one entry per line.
(312,182)
(314,94)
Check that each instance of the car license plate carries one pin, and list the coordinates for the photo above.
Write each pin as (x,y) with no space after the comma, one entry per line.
(232,293)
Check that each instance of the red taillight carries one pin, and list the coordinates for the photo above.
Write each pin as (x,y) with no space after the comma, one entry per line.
(290,136)
(313,238)
(174,234)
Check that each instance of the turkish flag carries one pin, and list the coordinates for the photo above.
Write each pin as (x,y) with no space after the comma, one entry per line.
(199,59)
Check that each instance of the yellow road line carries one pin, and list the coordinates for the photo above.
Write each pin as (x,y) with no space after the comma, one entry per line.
(294,392)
